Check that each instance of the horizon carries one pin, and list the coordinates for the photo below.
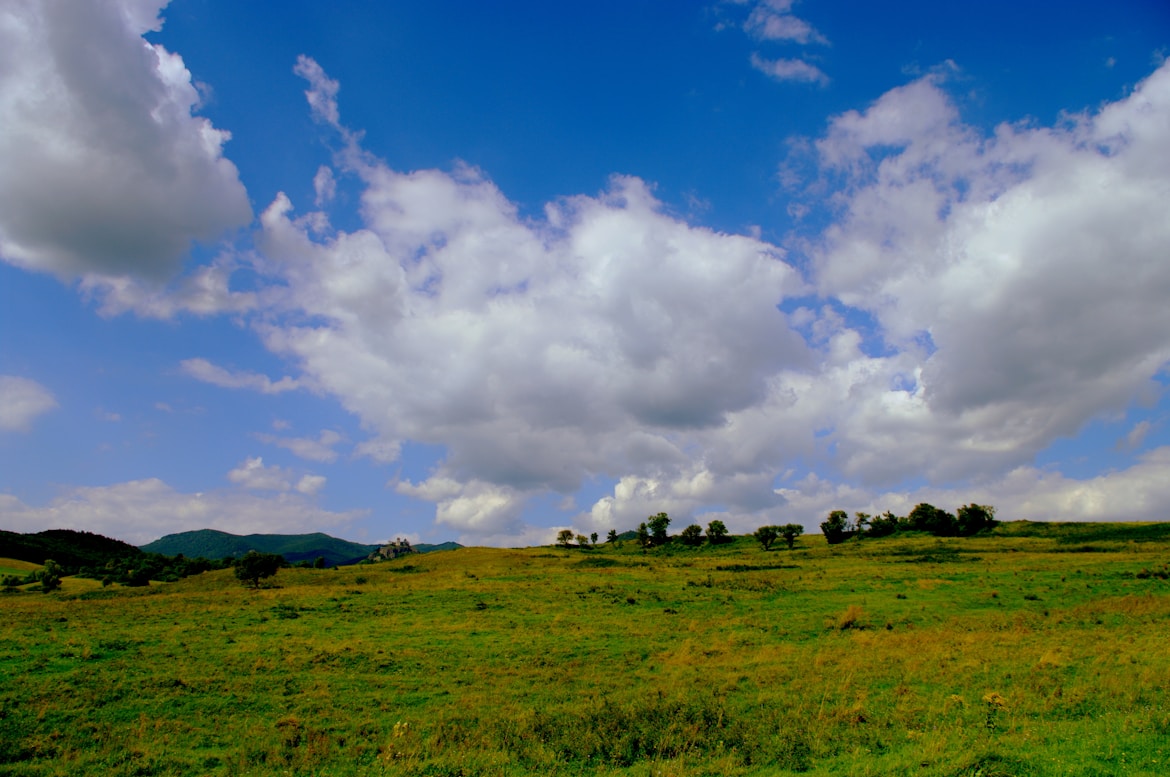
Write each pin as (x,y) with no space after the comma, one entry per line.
(476,274)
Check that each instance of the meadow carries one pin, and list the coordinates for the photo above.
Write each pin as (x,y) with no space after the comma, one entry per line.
(1027,651)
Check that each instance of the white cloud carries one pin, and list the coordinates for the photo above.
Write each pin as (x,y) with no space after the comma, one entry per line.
(311,484)
(320,449)
(772,20)
(475,508)
(143,510)
(324,185)
(1136,436)
(790,70)
(1019,279)
(205,291)
(22,401)
(253,474)
(106,170)
(203,370)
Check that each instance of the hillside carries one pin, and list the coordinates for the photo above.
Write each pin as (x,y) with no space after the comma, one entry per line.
(71,549)
(212,544)
(938,657)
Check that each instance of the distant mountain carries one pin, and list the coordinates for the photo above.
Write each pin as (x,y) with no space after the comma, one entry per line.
(425,548)
(71,549)
(212,544)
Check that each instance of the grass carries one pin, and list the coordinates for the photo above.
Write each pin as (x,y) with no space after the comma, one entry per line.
(997,655)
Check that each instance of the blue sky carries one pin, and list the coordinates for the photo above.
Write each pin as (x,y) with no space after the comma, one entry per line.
(480,271)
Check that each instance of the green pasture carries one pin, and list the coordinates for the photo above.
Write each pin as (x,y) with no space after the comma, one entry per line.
(1019,653)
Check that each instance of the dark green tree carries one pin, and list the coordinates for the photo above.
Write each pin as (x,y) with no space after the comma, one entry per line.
(565,537)
(657,525)
(319,563)
(254,567)
(643,536)
(593,539)
(692,535)
(766,535)
(973,518)
(51,576)
(790,531)
(883,525)
(836,528)
(716,532)
(928,518)
(612,536)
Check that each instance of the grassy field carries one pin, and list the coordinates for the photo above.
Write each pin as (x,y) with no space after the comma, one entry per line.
(1021,653)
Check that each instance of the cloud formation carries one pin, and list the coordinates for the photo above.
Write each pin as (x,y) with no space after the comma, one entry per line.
(107,171)
(203,370)
(141,511)
(22,401)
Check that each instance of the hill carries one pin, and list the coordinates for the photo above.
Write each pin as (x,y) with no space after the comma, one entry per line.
(212,544)
(938,657)
(71,549)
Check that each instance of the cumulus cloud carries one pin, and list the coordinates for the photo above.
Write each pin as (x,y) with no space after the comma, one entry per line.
(1020,277)
(141,511)
(203,370)
(254,474)
(107,171)
(22,401)
(601,339)
(205,291)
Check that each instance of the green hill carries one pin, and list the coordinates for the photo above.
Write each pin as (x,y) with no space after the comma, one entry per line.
(71,549)
(213,544)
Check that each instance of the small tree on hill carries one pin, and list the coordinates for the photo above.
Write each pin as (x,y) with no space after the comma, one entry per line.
(973,518)
(657,525)
(928,518)
(593,539)
(692,535)
(254,567)
(883,525)
(790,531)
(716,532)
(612,536)
(836,528)
(643,536)
(50,576)
(766,535)
(565,537)
(582,541)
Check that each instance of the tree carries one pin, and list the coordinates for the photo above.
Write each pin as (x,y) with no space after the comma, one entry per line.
(319,563)
(973,518)
(657,525)
(612,536)
(565,537)
(928,518)
(593,539)
(790,531)
(643,536)
(582,541)
(766,535)
(716,532)
(836,528)
(863,522)
(883,525)
(692,535)
(51,576)
(253,566)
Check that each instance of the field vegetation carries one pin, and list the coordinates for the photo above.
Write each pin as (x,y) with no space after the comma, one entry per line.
(1032,649)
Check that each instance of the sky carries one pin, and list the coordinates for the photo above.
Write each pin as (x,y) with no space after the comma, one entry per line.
(483,271)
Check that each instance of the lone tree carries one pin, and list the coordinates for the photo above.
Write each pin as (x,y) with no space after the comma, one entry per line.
(766,535)
(253,566)
(790,531)
(612,536)
(657,525)
(565,537)
(593,539)
(716,532)
(692,535)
